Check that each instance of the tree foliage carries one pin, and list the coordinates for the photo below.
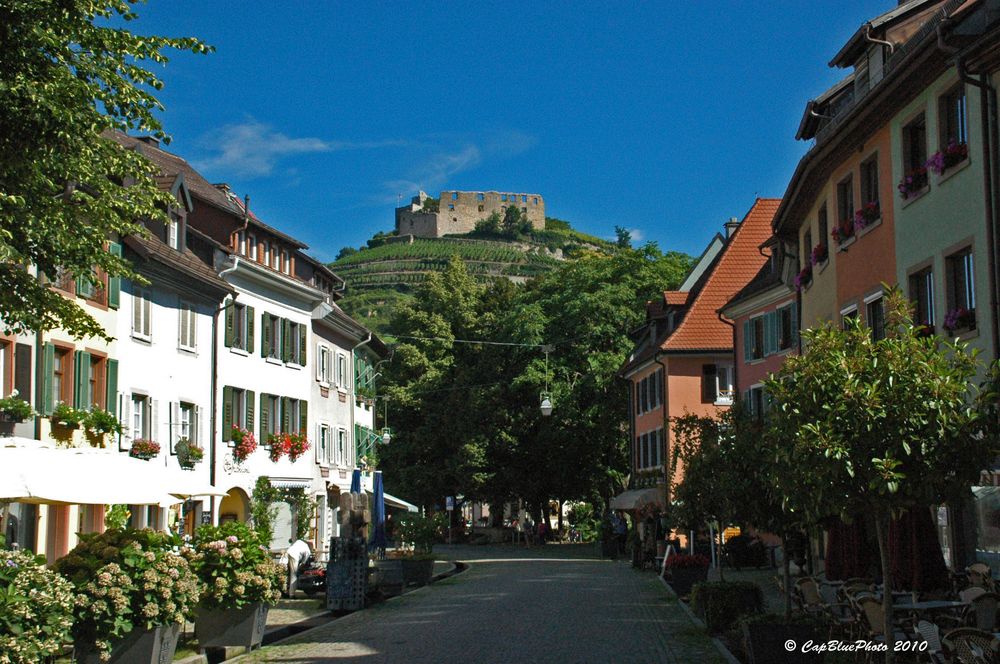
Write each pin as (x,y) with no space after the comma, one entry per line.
(877,426)
(67,78)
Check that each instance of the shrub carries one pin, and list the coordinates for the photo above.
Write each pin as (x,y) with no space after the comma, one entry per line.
(421,531)
(125,580)
(116,517)
(234,567)
(685,561)
(745,551)
(36,609)
(721,604)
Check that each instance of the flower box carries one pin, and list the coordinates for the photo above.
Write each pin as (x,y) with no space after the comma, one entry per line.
(804,278)
(244,626)
(820,253)
(869,213)
(152,646)
(244,444)
(912,183)
(843,232)
(144,449)
(951,156)
(960,320)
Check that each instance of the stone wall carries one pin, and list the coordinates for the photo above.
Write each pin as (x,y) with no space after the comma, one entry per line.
(459,211)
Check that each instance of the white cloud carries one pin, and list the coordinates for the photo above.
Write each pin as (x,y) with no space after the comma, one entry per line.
(435,170)
(252,148)
(637,234)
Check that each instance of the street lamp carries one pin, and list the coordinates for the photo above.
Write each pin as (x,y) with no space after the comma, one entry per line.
(546,405)
(386,435)
(546,397)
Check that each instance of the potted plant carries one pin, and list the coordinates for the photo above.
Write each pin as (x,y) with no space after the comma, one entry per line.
(188,453)
(721,604)
(133,594)
(36,608)
(239,583)
(297,444)
(685,570)
(764,637)
(66,416)
(419,533)
(244,443)
(867,215)
(960,319)
(143,448)
(843,231)
(13,410)
(277,446)
(820,253)
(954,154)
(912,183)
(804,278)
(98,424)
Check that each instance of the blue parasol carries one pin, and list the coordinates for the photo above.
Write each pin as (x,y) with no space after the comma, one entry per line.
(356,481)
(378,540)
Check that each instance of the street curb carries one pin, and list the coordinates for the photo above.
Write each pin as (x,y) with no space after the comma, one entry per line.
(456,568)
(719,645)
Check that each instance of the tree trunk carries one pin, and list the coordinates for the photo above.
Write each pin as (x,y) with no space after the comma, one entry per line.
(718,556)
(560,504)
(882,533)
(787,576)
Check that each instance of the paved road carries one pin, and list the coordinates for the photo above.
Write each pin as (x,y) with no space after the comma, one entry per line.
(553,604)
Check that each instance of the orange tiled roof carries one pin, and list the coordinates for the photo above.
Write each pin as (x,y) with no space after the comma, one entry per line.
(741,259)
(675,297)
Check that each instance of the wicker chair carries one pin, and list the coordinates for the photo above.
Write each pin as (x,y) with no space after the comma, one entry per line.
(872,609)
(968,645)
(984,611)
(930,633)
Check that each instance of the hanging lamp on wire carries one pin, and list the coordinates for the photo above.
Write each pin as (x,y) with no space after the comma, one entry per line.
(546,397)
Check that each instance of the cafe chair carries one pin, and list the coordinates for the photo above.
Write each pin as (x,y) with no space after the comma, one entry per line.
(968,645)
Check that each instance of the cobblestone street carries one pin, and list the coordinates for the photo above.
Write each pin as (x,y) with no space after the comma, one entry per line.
(548,604)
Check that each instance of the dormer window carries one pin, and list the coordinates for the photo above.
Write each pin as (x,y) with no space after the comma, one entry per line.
(286,263)
(275,258)
(174,230)
(252,246)
(239,246)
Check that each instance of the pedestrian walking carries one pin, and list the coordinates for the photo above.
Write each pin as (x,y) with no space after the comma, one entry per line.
(619,526)
(295,557)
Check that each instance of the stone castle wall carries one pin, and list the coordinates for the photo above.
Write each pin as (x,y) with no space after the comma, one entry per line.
(459,211)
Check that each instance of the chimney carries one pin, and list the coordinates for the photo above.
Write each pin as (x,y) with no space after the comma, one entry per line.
(731,226)
(150,140)
(223,187)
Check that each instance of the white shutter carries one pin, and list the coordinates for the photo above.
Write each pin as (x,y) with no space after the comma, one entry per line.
(126,417)
(319,361)
(200,432)
(182,327)
(154,420)
(175,424)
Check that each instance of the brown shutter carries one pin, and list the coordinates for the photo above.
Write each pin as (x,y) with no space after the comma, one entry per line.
(227,413)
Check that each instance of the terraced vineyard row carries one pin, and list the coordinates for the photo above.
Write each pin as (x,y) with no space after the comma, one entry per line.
(423,249)
(437,265)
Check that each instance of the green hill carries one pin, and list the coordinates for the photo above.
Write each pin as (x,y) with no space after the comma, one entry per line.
(381,276)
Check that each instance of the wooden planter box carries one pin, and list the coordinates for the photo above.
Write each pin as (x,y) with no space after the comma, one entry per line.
(231,627)
(155,646)
(683,579)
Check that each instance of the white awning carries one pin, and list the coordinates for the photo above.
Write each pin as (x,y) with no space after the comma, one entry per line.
(393,501)
(82,476)
(635,499)
(290,482)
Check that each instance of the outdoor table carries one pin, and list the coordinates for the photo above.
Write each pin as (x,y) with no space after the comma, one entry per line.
(931,605)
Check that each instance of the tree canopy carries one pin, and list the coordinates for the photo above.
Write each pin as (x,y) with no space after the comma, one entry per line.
(68,77)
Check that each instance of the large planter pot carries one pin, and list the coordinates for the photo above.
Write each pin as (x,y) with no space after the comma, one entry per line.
(6,427)
(231,627)
(391,580)
(155,646)
(684,578)
(418,572)
(765,643)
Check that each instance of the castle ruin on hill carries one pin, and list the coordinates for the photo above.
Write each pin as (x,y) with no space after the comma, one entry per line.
(456,212)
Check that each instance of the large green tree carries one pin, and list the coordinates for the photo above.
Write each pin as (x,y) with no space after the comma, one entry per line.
(877,426)
(69,75)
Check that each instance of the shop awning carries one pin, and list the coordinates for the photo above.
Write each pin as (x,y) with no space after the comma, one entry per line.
(32,472)
(399,503)
(290,482)
(636,499)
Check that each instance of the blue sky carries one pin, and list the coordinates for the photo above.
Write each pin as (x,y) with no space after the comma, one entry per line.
(663,117)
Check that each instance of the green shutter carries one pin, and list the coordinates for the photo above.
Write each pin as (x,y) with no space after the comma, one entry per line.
(248,407)
(114,283)
(249,328)
(769,343)
(47,401)
(230,326)
(111,389)
(265,416)
(747,341)
(303,416)
(795,325)
(227,413)
(303,340)
(265,333)
(286,340)
(81,379)
(286,414)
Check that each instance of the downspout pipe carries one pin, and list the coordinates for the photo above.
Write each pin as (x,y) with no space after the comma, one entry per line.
(667,465)
(212,460)
(355,399)
(873,40)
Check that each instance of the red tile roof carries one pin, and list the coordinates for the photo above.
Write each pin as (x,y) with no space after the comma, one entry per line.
(740,261)
(675,298)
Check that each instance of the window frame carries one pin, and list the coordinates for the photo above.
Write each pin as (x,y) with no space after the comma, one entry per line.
(142,408)
(875,315)
(186,310)
(845,201)
(914,161)
(961,116)
(922,295)
(142,305)
(869,181)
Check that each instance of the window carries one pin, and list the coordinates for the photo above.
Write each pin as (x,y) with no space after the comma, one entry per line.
(174,231)
(786,327)
(270,341)
(754,343)
(96,377)
(954,119)
(342,371)
(847,315)
(503,197)
(709,383)
(187,333)
(286,263)
(454,195)
(962,287)
(323,444)
(451,206)
(237,410)
(341,447)
(726,384)
(187,425)
(140,417)
(915,144)
(756,403)
(807,244)
(270,416)
(265,253)
(922,294)
(239,326)
(294,343)
(480,197)
(869,181)
(62,385)
(824,227)
(845,201)
(323,366)
(141,313)
(239,239)
(875,315)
